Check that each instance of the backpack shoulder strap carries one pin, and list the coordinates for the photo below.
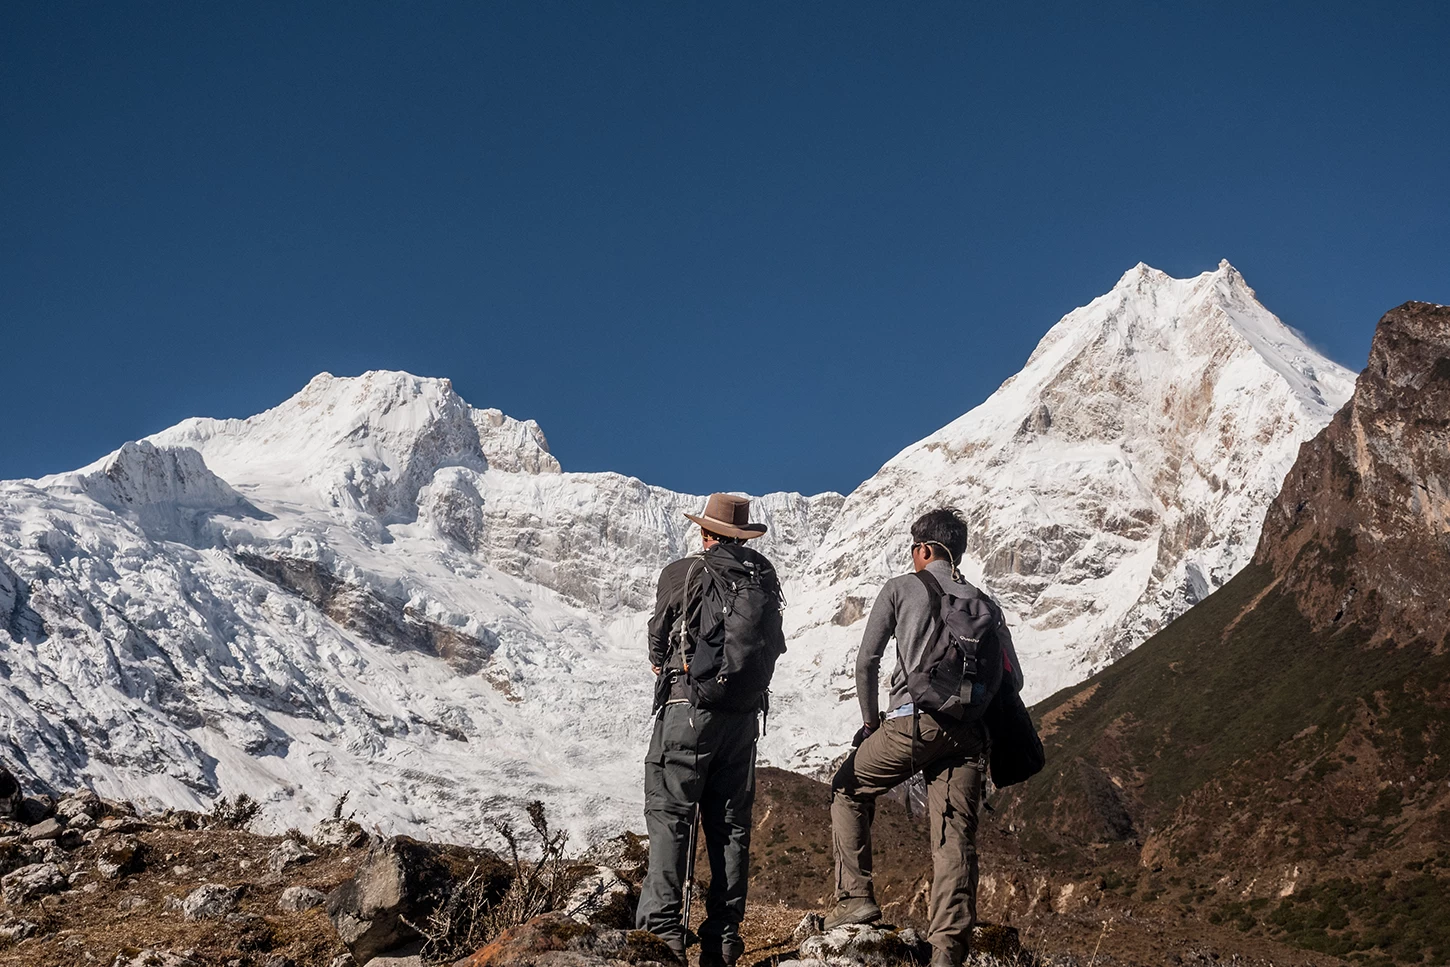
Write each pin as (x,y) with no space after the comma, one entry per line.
(682,621)
(933,587)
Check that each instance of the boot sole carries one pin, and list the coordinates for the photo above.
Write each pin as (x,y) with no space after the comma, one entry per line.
(861,922)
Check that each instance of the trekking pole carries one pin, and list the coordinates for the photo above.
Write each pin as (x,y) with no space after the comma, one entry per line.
(690,869)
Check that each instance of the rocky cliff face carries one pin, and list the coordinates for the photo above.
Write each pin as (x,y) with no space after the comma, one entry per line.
(1284,744)
(1360,533)
(376,588)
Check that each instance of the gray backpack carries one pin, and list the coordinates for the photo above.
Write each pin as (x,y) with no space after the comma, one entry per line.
(963,664)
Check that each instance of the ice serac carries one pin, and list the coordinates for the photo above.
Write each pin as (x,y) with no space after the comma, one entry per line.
(1116,480)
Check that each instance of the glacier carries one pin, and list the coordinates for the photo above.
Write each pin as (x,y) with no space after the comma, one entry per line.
(376,588)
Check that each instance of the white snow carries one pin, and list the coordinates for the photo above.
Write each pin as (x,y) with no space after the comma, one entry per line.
(376,588)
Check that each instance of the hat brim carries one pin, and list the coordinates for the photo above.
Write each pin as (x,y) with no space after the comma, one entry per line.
(714,526)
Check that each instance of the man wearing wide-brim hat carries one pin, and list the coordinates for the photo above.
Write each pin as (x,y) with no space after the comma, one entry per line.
(701,758)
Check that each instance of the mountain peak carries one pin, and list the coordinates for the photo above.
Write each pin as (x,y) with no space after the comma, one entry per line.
(366,444)
(1140,275)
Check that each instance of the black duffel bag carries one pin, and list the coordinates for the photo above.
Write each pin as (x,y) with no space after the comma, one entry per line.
(1017,753)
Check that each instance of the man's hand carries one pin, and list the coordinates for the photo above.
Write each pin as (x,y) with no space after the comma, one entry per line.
(656,669)
(863,732)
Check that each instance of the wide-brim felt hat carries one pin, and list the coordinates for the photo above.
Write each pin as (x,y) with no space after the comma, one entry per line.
(728,516)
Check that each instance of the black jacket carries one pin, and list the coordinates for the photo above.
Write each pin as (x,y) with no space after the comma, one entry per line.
(670,598)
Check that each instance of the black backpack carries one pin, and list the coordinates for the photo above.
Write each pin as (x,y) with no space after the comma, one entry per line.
(962,669)
(740,630)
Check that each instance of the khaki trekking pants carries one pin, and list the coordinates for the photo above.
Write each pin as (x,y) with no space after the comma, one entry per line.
(953,762)
(705,757)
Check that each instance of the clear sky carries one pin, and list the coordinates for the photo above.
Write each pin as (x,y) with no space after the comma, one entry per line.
(716,246)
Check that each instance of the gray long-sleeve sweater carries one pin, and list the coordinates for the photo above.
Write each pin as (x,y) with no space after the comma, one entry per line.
(903,610)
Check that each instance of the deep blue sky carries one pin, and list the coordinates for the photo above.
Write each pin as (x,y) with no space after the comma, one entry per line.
(716,246)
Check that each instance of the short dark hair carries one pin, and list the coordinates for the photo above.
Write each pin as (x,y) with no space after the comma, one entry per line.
(946,527)
(721,538)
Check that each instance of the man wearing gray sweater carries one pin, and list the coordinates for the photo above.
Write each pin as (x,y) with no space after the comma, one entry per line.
(891,748)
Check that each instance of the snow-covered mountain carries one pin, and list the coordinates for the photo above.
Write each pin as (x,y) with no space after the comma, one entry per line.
(376,588)
(1115,481)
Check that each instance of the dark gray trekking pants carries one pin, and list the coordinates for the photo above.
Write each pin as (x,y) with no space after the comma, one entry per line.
(705,757)
(952,758)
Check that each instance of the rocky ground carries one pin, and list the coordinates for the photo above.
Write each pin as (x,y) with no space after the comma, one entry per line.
(86,881)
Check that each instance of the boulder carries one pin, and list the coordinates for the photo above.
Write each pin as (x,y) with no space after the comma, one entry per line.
(123,824)
(10,795)
(554,940)
(869,945)
(34,809)
(1002,942)
(287,853)
(15,930)
(84,803)
(601,897)
(402,879)
(32,882)
(121,857)
(338,833)
(398,879)
(71,839)
(45,829)
(295,899)
(211,901)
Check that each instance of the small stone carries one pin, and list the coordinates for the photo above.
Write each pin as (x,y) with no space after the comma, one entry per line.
(811,925)
(91,887)
(124,824)
(31,882)
(45,829)
(289,852)
(180,869)
(72,839)
(130,903)
(16,930)
(296,899)
(92,836)
(211,901)
(158,958)
(81,823)
(121,857)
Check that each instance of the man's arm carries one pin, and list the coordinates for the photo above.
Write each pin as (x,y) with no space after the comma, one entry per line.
(880,626)
(666,604)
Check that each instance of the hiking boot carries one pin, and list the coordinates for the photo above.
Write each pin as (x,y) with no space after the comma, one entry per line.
(723,954)
(853,909)
(945,958)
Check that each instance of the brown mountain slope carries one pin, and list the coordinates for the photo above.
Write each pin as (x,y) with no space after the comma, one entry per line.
(1285,744)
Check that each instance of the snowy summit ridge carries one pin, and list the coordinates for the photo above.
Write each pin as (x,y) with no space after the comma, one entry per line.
(377,588)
